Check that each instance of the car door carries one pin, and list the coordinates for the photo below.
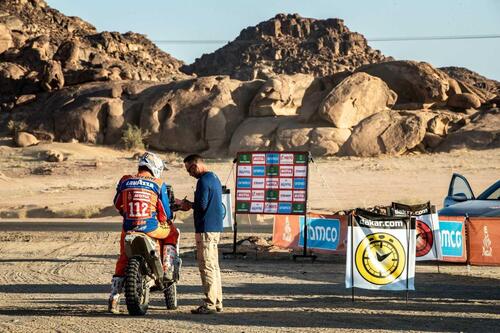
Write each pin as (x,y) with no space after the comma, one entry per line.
(459,191)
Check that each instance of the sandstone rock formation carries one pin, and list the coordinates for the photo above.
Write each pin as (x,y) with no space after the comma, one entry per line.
(288,44)
(354,99)
(322,89)
(40,48)
(482,132)
(281,95)
(413,82)
(23,139)
(472,78)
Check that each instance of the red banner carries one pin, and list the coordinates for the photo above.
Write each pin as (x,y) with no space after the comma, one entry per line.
(484,240)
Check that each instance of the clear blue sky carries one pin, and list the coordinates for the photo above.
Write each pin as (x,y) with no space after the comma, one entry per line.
(224,19)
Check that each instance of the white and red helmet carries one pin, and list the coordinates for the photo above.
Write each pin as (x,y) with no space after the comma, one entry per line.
(153,162)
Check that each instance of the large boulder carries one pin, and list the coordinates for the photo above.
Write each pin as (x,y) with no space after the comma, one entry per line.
(482,132)
(195,115)
(482,94)
(319,140)
(24,139)
(254,134)
(275,133)
(5,39)
(464,101)
(83,119)
(53,77)
(281,95)
(354,99)
(386,132)
(413,82)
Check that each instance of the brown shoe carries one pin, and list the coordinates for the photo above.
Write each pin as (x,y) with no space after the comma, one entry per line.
(203,310)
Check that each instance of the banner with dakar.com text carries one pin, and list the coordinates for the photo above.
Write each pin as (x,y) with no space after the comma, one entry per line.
(325,233)
(428,240)
(381,253)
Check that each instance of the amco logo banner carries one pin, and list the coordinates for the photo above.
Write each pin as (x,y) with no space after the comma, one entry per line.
(323,234)
(451,238)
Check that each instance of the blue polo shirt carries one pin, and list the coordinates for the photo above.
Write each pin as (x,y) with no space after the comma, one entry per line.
(208,209)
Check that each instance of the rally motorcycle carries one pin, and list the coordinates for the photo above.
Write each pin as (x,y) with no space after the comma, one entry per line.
(145,272)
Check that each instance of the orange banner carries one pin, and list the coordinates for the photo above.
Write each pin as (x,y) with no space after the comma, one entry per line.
(484,240)
(326,233)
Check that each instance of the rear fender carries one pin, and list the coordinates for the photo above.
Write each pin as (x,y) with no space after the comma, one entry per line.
(138,244)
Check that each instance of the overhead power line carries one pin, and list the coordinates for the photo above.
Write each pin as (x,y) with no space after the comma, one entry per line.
(380,39)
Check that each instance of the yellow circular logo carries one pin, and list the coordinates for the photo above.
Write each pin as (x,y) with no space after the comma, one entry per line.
(380,258)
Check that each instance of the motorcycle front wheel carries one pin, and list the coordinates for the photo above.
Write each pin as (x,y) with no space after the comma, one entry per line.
(136,289)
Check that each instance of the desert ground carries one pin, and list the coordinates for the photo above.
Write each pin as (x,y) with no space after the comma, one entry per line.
(56,265)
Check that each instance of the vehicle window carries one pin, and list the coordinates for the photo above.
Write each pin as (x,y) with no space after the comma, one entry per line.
(491,193)
(495,195)
(461,187)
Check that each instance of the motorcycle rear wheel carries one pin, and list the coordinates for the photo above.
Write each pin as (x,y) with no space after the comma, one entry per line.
(171,296)
(136,291)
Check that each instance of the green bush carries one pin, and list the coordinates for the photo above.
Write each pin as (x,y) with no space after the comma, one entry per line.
(133,137)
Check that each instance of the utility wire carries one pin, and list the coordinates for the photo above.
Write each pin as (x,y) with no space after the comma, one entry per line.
(380,39)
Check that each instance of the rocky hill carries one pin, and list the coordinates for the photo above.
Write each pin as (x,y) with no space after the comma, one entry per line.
(472,78)
(43,50)
(288,44)
(291,83)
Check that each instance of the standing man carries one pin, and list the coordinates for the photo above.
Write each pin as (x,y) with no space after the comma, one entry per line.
(208,216)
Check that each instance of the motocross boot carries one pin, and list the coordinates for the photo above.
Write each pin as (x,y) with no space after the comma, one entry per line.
(117,284)
(169,260)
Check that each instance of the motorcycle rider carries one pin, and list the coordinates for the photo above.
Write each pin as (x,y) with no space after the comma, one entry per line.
(143,201)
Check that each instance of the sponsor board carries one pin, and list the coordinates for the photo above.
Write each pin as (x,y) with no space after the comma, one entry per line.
(271,177)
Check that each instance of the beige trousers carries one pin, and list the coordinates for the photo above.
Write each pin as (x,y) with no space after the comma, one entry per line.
(207,255)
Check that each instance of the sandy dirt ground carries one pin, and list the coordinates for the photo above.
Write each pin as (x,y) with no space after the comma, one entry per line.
(59,280)
(84,184)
